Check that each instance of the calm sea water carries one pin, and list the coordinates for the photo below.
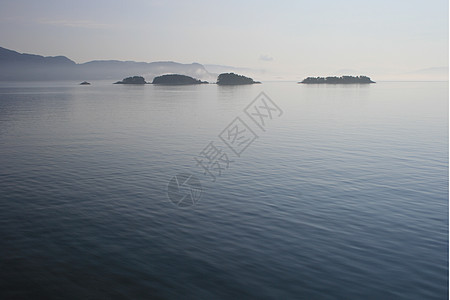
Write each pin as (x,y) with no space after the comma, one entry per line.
(344,196)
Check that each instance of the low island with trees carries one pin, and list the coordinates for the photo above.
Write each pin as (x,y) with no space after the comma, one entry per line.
(132,80)
(176,79)
(234,79)
(338,80)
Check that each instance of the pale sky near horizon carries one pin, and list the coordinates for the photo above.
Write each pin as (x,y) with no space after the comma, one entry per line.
(286,38)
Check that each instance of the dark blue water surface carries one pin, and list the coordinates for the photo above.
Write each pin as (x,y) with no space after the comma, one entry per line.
(344,196)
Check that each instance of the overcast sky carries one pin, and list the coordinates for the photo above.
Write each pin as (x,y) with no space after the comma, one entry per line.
(287,38)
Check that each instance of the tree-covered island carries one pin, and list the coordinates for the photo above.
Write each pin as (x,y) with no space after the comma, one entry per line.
(176,79)
(337,80)
(132,80)
(234,79)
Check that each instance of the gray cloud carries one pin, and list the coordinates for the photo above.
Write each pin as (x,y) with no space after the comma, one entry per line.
(74,23)
(266,57)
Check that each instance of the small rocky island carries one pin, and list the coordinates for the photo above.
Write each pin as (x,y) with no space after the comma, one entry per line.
(337,80)
(132,80)
(176,79)
(234,79)
(85,83)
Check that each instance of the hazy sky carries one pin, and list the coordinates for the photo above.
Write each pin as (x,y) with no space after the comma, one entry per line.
(288,38)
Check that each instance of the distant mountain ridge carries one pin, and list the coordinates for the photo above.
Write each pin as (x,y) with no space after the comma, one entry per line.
(23,66)
(10,56)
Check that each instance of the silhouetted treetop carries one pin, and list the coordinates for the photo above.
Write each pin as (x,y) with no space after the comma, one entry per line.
(337,80)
